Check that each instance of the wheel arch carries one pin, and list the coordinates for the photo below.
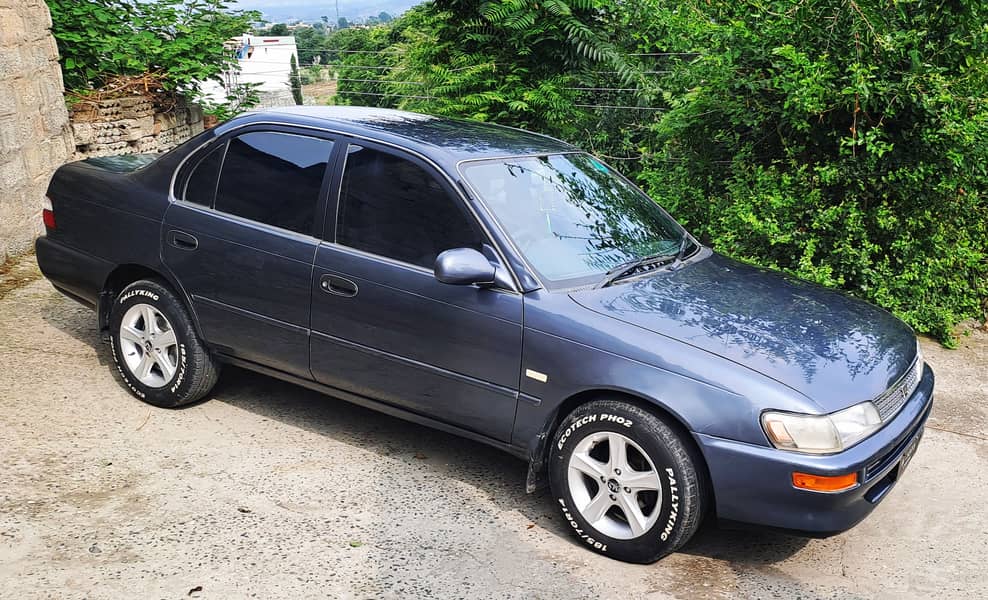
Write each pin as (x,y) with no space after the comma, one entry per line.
(537,477)
(125,274)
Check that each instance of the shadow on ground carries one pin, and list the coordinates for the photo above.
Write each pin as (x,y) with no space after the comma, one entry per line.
(498,475)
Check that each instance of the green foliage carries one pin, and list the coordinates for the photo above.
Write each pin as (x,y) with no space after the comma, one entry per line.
(311,43)
(179,41)
(242,98)
(295,81)
(843,142)
(278,29)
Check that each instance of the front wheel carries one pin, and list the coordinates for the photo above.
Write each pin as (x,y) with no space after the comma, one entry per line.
(626,483)
(155,347)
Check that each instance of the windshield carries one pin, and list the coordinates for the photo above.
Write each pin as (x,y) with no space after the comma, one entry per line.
(571,215)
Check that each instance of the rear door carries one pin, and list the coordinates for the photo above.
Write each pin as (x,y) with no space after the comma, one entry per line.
(242,237)
(384,327)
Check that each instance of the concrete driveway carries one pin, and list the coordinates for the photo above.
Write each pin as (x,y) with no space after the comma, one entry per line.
(271,491)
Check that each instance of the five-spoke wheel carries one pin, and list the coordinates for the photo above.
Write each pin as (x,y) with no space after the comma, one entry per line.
(149,345)
(156,348)
(627,481)
(614,485)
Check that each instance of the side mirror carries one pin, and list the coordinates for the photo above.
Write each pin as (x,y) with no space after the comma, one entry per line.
(464,266)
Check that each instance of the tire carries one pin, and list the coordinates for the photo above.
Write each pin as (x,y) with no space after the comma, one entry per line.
(592,484)
(166,365)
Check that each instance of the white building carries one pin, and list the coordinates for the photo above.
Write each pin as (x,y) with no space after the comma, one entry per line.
(263,60)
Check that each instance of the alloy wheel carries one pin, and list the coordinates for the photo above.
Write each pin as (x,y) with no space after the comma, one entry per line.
(149,345)
(614,485)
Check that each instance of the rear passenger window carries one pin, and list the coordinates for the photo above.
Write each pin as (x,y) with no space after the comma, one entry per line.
(201,185)
(274,178)
(392,207)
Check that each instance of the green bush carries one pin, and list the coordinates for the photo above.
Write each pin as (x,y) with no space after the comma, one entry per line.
(179,42)
(843,142)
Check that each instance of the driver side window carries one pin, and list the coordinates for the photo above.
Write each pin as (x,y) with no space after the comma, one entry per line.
(392,207)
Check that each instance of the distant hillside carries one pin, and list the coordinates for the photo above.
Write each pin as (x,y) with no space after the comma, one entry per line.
(277,11)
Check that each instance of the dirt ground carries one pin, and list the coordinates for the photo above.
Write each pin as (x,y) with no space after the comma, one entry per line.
(319,92)
(271,491)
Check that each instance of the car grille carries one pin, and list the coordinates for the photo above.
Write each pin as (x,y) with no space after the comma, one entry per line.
(890,401)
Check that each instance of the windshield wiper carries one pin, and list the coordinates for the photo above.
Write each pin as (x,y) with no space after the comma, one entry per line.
(683,245)
(629,267)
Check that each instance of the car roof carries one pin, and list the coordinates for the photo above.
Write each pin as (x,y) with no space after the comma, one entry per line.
(443,139)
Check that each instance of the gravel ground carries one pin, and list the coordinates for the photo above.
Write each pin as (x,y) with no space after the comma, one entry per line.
(271,491)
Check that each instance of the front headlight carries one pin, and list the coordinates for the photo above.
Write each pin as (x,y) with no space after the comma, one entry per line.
(821,434)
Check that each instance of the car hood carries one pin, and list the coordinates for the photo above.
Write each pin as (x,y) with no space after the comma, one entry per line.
(835,350)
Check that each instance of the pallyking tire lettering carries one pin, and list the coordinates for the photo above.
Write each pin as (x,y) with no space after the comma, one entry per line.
(673,505)
(132,293)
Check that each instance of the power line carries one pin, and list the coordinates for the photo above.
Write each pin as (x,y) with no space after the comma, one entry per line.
(381,81)
(664,54)
(600,89)
(618,107)
(390,95)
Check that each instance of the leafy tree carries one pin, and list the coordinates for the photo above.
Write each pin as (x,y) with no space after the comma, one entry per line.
(843,142)
(181,42)
(278,29)
(295,81)
(342,23)
(311,43)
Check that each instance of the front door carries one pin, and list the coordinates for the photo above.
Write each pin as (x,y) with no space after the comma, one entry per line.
(242,240)
(384,327)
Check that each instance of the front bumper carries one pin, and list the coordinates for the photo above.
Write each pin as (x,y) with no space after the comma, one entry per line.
(753,484)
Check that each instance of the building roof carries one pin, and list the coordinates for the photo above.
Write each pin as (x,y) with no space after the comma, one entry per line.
(451,139)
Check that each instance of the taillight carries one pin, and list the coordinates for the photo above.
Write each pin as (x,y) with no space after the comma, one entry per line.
(48,213)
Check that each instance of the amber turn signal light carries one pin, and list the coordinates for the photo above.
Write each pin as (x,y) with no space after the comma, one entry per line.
(822,483)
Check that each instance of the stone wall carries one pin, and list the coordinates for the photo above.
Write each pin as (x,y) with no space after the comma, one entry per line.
(34,135)
(131,125)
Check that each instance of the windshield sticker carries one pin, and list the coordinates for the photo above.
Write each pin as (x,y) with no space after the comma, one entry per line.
(598,165)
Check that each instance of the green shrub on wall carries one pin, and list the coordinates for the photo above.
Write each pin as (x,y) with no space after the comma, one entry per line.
(179,42)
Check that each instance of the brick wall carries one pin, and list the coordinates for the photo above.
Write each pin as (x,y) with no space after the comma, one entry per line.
(131,125)
(34,134)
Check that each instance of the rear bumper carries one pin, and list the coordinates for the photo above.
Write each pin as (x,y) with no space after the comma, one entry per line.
(76,274)
(753,484)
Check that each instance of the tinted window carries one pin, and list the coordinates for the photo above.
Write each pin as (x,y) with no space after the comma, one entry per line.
(392,207)
(274,178)
(201,186)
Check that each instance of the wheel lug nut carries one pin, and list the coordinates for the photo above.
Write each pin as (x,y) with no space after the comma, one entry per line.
(617,471)
(602,478)
(613,497)
(627,490)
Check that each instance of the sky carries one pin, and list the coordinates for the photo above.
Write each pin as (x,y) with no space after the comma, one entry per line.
(311,10)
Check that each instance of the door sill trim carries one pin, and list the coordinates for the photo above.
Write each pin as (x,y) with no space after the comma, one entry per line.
(376,405)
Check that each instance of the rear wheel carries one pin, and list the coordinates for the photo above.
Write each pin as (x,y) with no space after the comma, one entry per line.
(625,481)
(155,347)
